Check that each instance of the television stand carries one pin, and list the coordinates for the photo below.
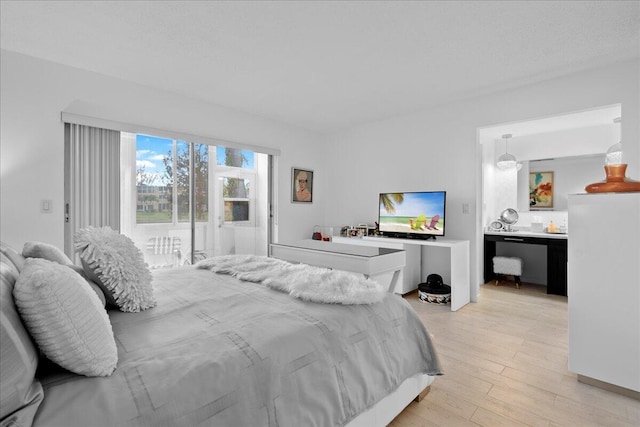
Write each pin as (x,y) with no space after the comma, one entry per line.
(446,257)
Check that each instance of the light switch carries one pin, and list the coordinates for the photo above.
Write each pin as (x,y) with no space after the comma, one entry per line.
(46,206)
(465,208)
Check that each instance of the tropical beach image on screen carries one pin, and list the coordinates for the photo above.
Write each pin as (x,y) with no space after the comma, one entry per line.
(412,213)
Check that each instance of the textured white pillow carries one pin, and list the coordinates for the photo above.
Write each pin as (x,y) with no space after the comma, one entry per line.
(114,262)
(65,318)
(46,251)
(52,253)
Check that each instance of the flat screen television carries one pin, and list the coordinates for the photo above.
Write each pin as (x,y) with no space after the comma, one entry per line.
(412,215)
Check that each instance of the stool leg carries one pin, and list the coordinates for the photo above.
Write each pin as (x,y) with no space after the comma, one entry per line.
(497,279)
(517,282)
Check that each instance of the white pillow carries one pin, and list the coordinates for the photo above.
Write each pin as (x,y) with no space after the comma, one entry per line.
(46,251)
(52,253)
(65,317)
(114,262)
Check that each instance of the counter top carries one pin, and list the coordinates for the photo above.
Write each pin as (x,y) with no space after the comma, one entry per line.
(527,233)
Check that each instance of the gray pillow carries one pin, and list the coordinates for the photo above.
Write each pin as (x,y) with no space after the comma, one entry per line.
(21,392)
(12,256)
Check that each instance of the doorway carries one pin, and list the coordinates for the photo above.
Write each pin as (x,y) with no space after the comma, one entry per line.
(574,143)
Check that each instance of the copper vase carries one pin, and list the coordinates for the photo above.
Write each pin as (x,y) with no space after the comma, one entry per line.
(616,182)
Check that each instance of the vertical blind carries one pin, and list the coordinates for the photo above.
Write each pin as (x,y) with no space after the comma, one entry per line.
(92,180)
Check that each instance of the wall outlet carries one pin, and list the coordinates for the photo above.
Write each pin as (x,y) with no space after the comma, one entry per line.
(465,208)
(46,206)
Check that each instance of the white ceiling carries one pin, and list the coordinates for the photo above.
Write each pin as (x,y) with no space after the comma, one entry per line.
(326,65)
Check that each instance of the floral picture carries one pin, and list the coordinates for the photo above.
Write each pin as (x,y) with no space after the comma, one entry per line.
(301,185)
(541,190)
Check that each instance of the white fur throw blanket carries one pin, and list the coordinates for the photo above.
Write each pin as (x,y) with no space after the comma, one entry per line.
(301,281)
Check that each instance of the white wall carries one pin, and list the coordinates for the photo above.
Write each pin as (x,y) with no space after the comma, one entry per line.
(33,94)
(438,149)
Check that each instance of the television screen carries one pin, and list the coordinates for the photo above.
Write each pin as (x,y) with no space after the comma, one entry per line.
(412,214)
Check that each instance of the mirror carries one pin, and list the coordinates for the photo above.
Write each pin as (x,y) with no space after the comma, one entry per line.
(570,176)
(509,217)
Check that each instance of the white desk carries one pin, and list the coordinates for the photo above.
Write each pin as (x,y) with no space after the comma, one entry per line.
(446,257)
(370,261)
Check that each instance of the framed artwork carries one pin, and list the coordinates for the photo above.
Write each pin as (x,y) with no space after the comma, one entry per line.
(540,190)
(301,185)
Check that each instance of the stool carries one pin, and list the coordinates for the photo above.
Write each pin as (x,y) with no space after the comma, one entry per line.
(508,265)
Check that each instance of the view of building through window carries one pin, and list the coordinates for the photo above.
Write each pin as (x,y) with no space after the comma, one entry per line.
(165,180)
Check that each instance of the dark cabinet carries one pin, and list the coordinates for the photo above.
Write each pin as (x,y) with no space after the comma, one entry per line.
(556,258)
(557,267)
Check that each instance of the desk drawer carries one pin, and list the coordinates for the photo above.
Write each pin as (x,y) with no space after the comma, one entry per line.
(523,239)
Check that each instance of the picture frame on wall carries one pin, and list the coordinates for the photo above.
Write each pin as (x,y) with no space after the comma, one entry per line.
(541,190)
(301,185)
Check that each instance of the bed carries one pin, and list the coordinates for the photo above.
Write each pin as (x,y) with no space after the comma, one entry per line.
(220,351)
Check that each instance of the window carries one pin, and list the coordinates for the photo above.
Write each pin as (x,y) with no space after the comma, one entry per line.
(236,192)
(166,180)
(235,173)
(163,180)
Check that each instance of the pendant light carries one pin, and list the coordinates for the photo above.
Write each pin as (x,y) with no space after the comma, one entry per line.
(615,171)
(507,161)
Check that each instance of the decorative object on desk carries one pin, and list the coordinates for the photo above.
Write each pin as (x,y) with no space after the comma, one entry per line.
(434,291)
(563,228)
(362,230)
(536,224)
(316,235)
(509,217)
(348,231)
(327,234)
(496,226)
(540,190)
(301,185)
(506,160)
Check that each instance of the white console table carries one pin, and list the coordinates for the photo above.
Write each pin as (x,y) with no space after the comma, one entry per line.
(446,257)
(370,261)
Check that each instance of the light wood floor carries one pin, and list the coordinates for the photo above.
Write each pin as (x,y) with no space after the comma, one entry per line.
(505,364)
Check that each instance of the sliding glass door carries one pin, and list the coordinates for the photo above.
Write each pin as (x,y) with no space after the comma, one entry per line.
(184,201)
